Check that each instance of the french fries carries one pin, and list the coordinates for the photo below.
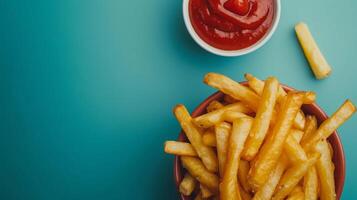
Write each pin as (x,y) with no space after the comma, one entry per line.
(207,154)
(229,189)
(257,144)
(262,119)
(331,124)
(292,177)
(195,167)
(272,149)
(187,185)
(317,61)
(179,148)
(212,118)
(223,130)
(325,171)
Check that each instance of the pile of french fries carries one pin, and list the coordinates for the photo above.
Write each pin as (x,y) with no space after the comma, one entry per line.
(257,144)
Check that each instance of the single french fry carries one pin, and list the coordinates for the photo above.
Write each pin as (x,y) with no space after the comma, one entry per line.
(273,147)
(294,150)
(317,61)
(228,99)
(179,148)
(223,130)
(331,124)
(206,153)
(296,134)
(206,193)
(297,194)
(196,168)
(229,186)
(310,128)
(257,85)
(262,119)
(233,89)
(244,194)
(292,177)
(267,190)
(209,138)
(187,185)
(214,105)
(212,118)
(325,171)
(243,174)
(231,116)
(311,184)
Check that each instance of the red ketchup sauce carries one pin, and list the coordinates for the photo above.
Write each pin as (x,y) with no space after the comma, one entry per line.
(231,24)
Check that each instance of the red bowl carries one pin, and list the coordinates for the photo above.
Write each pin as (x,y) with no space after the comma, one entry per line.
(312,109)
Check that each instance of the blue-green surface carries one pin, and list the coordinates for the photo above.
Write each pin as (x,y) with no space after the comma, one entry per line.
(87,88)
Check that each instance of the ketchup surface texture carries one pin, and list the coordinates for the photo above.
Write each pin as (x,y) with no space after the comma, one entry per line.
(231,24)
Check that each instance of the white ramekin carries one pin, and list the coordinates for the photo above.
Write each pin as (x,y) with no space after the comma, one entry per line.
(230,53)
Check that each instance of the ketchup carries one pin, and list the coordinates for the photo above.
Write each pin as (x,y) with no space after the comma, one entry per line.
(231,24)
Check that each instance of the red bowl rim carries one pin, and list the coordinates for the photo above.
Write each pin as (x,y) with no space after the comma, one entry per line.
(338,152)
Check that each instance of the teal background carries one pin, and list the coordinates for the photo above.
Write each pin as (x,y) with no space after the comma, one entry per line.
(87,88)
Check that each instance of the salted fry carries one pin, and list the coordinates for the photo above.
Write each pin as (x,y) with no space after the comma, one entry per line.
(223,130)
(206,153)
(294,150)
(233,89)
(229,99)
(206,193)
(262,118)
(311,184)
(187,185)
(229,189)
(331,124)
(273,147)
(209,139)
(297,194)
(310,128)
(179,148)
(243,174)
(196,168)
(212,118)
(214,105)
(325,171)
(317,61)
(267,190)
(292,177)
(257,85)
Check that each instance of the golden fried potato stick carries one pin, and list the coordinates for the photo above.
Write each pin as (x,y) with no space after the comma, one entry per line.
(206,193)
(310,128)
(242,175)
(257,85)
(206,153)
(187,185)
(330,125)
(223,131)
(228,99)
(311,184)
(317,61)
(214,105)
(296,194)
(294,150)
(196,168)
(231,116)
(244,194)
(272,149)
(233,89)
(229,189)
(325,171)
(179,148)
(293,175)
(212,118)
(209,138)
(262,119)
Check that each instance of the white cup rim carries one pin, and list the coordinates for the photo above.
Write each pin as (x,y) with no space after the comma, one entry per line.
(230,53)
